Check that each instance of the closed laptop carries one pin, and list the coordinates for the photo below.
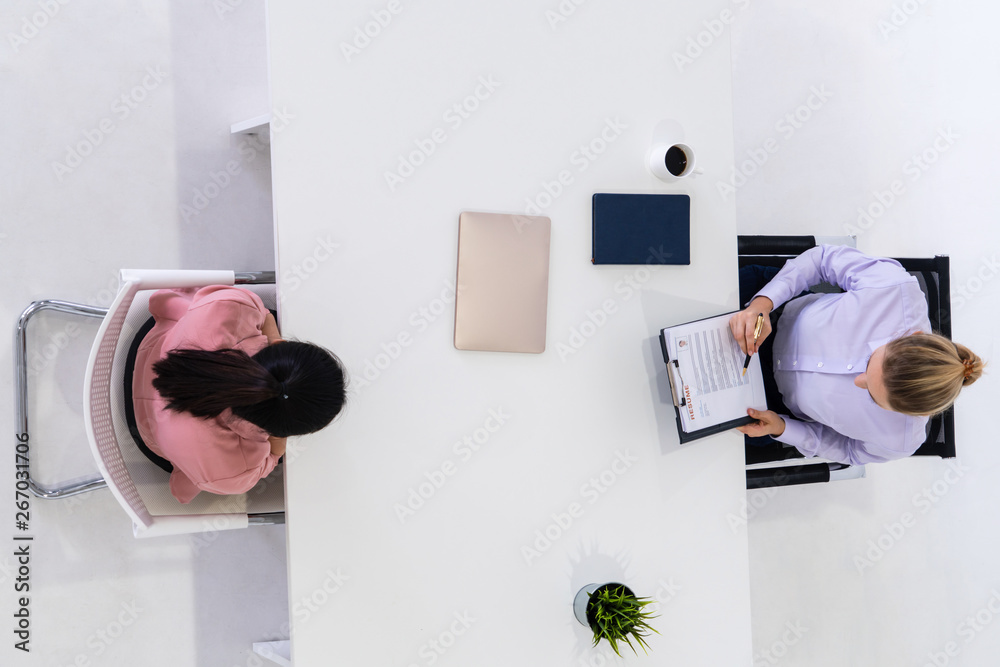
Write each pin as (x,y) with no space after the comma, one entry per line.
(503,282)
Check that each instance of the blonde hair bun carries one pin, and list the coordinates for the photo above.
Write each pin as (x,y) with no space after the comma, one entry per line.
(923,373)
(973,364)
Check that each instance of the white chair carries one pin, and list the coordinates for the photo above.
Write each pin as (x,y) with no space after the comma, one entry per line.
(139,485)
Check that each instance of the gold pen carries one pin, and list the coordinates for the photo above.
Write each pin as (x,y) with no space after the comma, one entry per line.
(756,335)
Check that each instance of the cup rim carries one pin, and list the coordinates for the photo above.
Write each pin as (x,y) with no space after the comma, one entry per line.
(688,158)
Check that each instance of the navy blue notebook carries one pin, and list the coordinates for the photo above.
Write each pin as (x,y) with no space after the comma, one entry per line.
(641,229)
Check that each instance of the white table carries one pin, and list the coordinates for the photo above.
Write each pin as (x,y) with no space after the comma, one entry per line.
(577,445)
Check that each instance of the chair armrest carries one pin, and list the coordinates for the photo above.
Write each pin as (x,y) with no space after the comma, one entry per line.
(788,475)
(190,523)
(760,478)
(149,279)
(774,245)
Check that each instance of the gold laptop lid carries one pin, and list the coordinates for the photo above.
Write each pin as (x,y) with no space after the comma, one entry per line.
(503,282)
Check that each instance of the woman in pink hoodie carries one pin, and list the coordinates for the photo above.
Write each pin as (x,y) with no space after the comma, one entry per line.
(216,391)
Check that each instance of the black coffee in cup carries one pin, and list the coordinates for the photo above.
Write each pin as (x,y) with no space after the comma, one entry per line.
(676,160)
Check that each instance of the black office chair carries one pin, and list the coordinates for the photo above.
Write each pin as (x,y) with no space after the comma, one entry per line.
(933,274)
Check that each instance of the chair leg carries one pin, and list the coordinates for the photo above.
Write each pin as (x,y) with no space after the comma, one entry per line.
(21,395)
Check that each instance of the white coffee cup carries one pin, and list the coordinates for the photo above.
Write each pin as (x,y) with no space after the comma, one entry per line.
(667,158)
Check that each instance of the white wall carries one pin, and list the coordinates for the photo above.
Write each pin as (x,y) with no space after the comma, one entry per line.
(98,596)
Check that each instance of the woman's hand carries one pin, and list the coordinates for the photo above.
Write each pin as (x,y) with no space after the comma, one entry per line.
(743,323)
(768,423)
(270,329)
(277,445)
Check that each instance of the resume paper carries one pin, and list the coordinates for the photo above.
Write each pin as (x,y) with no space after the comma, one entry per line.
(708,379)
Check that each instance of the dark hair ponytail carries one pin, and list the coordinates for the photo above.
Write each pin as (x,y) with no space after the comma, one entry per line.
(288,388)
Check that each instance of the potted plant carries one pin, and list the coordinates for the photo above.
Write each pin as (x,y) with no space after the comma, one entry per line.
(613,612)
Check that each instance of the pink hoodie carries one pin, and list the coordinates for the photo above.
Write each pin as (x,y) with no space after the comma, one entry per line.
(224,454)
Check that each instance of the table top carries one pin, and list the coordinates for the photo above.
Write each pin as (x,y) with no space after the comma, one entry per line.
(454,509)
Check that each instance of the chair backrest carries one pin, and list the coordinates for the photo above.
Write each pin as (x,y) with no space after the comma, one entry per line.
(934,277)
(99,412)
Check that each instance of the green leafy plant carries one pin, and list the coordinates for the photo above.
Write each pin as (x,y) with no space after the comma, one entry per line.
(617,615)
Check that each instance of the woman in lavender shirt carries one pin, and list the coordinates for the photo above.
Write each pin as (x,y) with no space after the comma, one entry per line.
(859,372)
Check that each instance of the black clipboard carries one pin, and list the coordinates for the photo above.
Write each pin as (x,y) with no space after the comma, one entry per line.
(677,400)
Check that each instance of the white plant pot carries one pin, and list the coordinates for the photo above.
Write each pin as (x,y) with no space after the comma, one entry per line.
(582,599)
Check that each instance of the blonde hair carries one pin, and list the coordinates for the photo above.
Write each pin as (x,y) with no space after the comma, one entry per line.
(923,373)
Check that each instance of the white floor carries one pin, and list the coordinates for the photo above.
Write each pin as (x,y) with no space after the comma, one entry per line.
(100,597)
(886,570)
(116,147)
